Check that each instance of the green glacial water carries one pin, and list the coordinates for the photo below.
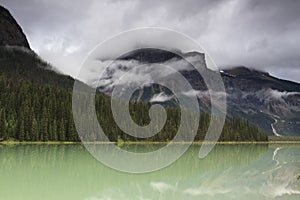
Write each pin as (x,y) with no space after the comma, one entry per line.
(69,172)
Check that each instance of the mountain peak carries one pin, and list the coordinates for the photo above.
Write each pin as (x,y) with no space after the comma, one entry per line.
(11,33)
(153,55)
(149,55)
(245,71)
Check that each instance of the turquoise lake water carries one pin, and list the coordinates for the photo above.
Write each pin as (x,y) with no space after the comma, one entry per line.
(69,172)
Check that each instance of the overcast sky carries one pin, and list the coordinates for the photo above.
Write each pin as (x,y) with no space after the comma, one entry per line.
(264,34)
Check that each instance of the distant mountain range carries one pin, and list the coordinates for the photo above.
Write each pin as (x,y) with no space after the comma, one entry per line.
(271,103)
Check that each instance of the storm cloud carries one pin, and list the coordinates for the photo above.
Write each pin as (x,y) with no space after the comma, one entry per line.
(263,34)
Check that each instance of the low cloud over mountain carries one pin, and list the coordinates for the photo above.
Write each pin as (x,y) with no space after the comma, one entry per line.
(260,34)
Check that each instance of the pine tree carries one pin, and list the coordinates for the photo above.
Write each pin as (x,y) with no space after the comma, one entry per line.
(62,134)
(34,130)
(3,132)
(44,125)
(54,128)
(71,129)
(21,131)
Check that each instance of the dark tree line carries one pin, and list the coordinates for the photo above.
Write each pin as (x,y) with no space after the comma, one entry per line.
(234,129)
(31,111)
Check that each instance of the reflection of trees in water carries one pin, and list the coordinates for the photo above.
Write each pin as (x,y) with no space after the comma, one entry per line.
(55,168)
(42,157)
(234,155)
(221,157)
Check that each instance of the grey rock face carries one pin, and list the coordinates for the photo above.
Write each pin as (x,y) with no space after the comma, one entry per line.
(11,33)
(269,102)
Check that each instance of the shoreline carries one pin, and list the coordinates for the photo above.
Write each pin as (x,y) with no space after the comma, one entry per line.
(147,143)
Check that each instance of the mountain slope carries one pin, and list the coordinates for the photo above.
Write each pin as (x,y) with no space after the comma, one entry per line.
(21,63)
(272,103)
(36,101)
(18,61)
(10,31)
(267,101)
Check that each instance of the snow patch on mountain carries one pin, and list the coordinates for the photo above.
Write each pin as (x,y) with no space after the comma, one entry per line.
(161,97)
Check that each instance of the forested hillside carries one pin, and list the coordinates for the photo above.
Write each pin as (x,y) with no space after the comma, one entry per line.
(32,111)
(35,100)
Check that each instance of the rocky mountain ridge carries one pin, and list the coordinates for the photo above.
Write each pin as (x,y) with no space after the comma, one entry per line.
(11,33)
(271,103)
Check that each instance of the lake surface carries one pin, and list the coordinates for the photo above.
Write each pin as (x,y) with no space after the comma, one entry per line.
(69,172)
